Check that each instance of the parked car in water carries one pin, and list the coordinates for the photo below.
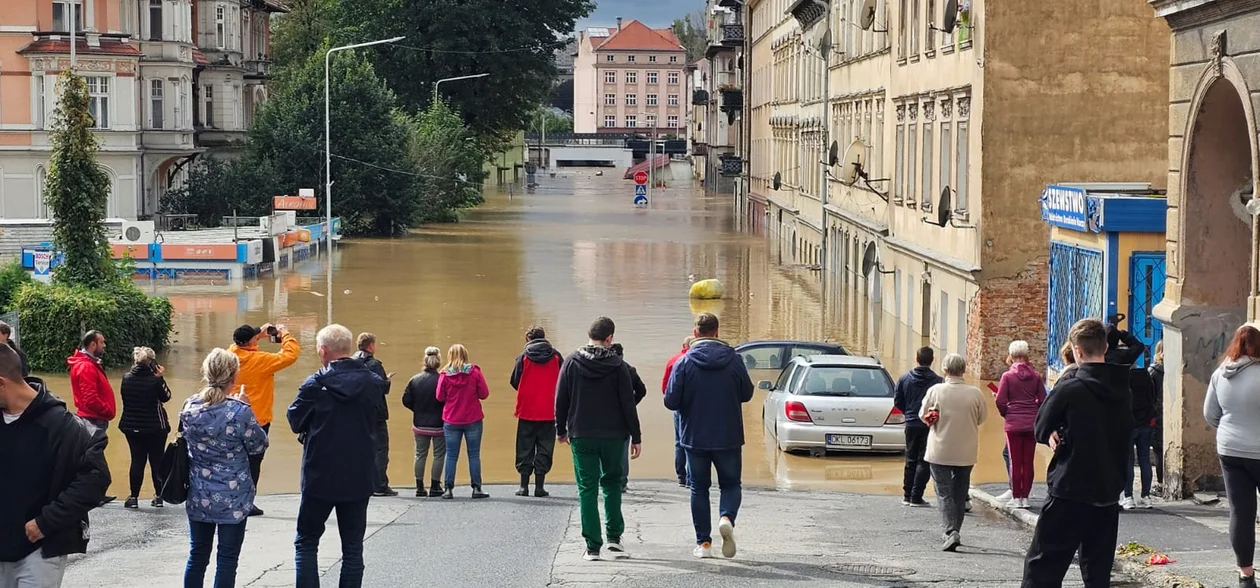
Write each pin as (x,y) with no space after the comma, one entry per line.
(833,402)
(766,359)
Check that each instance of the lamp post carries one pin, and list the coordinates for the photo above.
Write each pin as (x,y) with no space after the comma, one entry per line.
(455,79)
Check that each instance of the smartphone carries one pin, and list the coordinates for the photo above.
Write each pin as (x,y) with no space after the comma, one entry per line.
(390,375)
(993,388)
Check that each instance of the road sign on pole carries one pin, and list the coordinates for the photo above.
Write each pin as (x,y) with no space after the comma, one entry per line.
(641,178)
(640,195)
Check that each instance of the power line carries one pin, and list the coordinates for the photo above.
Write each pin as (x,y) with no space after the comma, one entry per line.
(465,52)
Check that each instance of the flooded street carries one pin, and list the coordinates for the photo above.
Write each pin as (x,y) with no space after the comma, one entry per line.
(573,250)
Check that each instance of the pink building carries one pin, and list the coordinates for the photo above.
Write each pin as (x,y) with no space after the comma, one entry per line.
(629,78)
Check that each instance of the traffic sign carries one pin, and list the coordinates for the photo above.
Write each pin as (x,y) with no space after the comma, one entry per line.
(640,190)
(640,200)
(640,177)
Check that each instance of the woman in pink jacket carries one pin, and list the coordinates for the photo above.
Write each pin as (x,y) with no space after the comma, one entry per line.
(462,387)
(1020,394)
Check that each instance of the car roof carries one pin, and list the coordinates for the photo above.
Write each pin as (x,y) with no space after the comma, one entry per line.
(840,361)
(768,342)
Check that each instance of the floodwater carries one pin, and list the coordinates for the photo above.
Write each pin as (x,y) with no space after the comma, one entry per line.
(573,250)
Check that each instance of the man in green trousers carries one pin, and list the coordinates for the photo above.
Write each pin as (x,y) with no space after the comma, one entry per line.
(595,412)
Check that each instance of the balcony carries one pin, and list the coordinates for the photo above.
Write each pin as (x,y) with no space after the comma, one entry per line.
(259,68)
(699,149)
(732,99)
(700,98)
(730,3)
(731,165)
(733,35)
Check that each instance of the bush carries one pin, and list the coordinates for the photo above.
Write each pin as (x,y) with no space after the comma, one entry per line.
(12,277)
(55,316)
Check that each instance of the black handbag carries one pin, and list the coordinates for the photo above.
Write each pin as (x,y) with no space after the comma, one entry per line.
(173,472)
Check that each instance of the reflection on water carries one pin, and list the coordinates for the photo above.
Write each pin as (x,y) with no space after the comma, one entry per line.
(573,250)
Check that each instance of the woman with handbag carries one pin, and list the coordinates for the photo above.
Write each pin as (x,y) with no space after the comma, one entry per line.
(144,422)
(221,432)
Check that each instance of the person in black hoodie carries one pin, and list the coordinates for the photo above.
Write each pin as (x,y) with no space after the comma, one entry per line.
(595,411)
(640,392)
(335,414)
(1087,421)
(908,398)
(420,398)
(367,355)
(144,422)
(55,472)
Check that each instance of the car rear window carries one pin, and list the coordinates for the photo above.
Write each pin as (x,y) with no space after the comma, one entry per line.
(858,382)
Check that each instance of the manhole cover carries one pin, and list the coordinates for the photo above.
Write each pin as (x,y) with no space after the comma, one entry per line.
(871,570)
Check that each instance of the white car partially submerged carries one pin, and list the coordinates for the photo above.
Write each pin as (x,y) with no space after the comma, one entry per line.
(826,403)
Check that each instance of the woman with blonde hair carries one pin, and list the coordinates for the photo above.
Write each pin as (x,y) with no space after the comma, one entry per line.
(144,422)
(420,398)
(462,387)
(222,433)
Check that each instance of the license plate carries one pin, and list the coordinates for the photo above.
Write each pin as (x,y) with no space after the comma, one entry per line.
(849,440)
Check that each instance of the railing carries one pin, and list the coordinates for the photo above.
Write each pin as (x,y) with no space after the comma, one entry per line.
(700,98)
(733,35)
(732,99)
(1076,292)
(731,165)
(260,67)
(578,138)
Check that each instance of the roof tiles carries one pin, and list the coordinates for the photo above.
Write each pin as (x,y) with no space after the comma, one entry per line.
(636,36)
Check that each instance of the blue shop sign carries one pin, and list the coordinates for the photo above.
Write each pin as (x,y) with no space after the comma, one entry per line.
(1070,208)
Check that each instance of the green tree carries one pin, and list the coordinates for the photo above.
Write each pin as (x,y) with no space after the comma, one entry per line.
(78,191)
(221,187)
(301,32)
(449,162)
(556,122)
(692,32)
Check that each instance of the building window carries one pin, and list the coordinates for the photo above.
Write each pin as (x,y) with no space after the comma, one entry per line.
(632,77)
(673,59)
(182,105)
(155,20)
(610,121)
(899,191)
(610,99)
(946,148)
(632,121)
(912,151)
(927,164)
(929,35)
(651,99)
(960,201)
(673,99)
(673,78)
(155,103)
(903,19)
(632,99)
(629,59)
(610,77)
(177,23)
(98,101)
(220,27)
(40,106)
(914,27)
(238,113)
(652,77)
(610,58)
(651,121)
(651,59)
(209,93)
(61,15)
(672,121)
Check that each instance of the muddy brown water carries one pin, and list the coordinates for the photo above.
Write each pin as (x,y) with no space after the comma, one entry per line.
(573,250)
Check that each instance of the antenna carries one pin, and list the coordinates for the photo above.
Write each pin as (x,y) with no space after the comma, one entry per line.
(778,181)
(870,261)
(866,18)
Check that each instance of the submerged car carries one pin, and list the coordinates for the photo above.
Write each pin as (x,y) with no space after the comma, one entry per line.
(826,403)
(766,359)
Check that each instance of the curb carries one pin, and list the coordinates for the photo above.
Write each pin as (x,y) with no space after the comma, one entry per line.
(1152,576)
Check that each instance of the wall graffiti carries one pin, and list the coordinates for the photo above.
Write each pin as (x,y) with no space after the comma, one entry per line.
(1206,335)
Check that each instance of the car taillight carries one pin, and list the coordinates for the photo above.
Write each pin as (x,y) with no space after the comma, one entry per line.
(896,417)
(796,411)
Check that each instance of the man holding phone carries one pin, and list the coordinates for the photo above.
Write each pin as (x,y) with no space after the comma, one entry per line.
(257,377)
(367,355)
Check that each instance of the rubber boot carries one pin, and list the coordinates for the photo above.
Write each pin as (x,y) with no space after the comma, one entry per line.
(420,489)
(524,491)
(435,488)
(539,491)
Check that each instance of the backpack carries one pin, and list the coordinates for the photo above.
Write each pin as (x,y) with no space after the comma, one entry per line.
(173,472)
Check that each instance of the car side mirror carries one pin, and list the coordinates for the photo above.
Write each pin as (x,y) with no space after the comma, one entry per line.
(764,385)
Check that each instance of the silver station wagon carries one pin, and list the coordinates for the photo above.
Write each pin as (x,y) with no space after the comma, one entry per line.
(826,403)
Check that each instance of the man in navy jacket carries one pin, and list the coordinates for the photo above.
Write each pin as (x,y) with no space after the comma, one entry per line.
(707,388)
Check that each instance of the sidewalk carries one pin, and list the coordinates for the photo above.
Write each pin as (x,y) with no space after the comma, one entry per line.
(1195,536)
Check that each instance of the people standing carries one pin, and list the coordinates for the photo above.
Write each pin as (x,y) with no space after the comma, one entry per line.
(680,454)
(144,422)
(367,354)
(420,397)
(462,387)
(6,337)
(1156,371)
(1087,420)
(335,412)
(640,392)
(92,393)
(222,432)
(595,412)
(908,398)
(954,412)
(708,388)
(55,472)
(534,378)
(258,376)
(1020,395)
(1143,394)
(1231,408)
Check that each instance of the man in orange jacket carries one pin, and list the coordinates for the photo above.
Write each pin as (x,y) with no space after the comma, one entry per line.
(258,377)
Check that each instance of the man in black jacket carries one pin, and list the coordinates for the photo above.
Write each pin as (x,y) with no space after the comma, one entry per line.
(595,409)
(55,472)
(640,392)
(1087,421)
(367,355)
(908,398)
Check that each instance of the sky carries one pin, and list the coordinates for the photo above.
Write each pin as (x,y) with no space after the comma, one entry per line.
(654,13)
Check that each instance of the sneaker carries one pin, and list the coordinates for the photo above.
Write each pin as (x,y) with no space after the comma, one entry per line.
(477,493)
(905,502)
(107,500)
(952,541)
(591,555)
(157,502)
(256,512)
(682,482)
(703,551)
(1143,502)
(385,491)
(615,549)
(920,503)
(449,494)
(727,530)
(132,502)
(967,506)
(1247,581)
(1003,497)
(1127,503)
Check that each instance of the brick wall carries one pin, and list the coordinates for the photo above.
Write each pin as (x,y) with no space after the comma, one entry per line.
(1006,309)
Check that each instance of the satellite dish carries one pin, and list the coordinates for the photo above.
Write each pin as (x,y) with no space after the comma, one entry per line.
(778,180)
(866,19)
(869,259)
(824,44)
(1253,207)
(951,17)
(833,155)
(854,162)
(943,208)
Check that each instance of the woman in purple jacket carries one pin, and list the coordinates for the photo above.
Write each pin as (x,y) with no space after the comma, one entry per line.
(1020,394)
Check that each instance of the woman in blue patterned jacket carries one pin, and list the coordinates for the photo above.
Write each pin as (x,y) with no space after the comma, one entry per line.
(222,433)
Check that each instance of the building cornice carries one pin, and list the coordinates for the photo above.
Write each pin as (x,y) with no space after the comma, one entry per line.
(1185,14)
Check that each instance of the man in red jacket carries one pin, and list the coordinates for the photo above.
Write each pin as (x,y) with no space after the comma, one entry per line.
(680,455)
(93,396)
(534,379)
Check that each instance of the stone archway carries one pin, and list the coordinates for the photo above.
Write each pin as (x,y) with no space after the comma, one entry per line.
(1210,243)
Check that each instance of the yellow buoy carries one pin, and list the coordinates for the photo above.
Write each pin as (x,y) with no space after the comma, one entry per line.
(707,290)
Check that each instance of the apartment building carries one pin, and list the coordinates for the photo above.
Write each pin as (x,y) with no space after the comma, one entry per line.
(721,79)
(164,89)
(627,79)
(975,111)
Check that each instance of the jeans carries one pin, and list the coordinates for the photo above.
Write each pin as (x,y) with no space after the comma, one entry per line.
(535,445)
(915,478)
(255,461)
(1242,478)
(1006,458)
(952,485)
(597,464)
(680,454)
(382,455)
(1022,447)
(145,447)
(34,571)
(471,432)
(701,463)
(201,536)
(1141,441)
(351,525)
(1064,528)
(423,442)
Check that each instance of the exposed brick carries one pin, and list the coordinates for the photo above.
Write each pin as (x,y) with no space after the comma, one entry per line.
(1006,309)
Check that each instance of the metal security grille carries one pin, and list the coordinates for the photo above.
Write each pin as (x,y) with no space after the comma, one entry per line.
(1146,289)
(1076,292)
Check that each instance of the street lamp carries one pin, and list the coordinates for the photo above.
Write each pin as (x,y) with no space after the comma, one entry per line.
(328,140)
(455,79)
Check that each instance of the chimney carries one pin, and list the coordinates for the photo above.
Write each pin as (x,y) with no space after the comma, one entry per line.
(618,24)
